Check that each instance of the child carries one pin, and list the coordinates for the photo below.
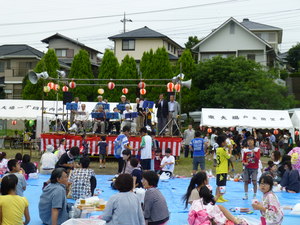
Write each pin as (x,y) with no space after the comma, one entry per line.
(250,161)
(192,193)
(199,147)
(272,171)
(81,179)
(127,168)
(19,157)
(270,206)
(168,163)
(61,148)
(13,207)
(204,211)
(222,167)
(84,146)
(157,161)
(102,151)
(155,205)
(136,173)
(28,166)
(14,168)
(3,163)
(290,179)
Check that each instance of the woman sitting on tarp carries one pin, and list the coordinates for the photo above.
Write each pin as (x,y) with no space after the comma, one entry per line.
(290,179)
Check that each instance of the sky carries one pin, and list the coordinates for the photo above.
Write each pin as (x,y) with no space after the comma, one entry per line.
(93,21)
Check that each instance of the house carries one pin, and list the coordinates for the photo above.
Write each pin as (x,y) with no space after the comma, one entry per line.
(66,48)
(255,41)
(15,62)
(136,42)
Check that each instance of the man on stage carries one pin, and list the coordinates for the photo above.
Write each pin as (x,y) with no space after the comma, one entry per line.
(81,118)
(173,113)
(162,112)
(73,112)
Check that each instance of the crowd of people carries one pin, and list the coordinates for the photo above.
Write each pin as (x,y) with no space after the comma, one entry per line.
(138,115)
(71,175)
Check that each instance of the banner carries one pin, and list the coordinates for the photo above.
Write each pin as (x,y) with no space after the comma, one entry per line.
(174,143)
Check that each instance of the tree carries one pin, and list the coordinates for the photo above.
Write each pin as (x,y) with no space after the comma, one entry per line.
(81,68)
(109,70)
(146,64)
(48,63)
(293,57)
(128,70)
(236,83)
(192,41)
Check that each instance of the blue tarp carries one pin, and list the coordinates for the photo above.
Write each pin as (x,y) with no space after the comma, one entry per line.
(173,190)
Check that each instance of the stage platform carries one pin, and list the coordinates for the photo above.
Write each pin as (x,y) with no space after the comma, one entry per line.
(173,190)
(174,143)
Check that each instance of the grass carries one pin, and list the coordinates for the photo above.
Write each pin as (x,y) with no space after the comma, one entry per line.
(183,166)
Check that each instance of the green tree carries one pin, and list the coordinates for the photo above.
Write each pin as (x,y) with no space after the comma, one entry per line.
(128,70)
(81,68)
(48,63)
(109,70)
(293,57)
(236,83)
(187,66)
(192,41)
(146,64)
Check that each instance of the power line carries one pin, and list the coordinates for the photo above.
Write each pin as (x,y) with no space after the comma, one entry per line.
(118,15)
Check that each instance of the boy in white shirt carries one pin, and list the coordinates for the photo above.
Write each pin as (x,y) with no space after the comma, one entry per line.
(168,163)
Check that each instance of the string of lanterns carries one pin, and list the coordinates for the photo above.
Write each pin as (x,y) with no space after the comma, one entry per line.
(111,85)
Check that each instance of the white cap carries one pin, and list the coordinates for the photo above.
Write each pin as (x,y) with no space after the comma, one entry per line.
(123,96)
(127,105)
(49,148)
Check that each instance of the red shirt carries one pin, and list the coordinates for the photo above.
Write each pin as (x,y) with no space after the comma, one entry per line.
(252,158)
(157,163)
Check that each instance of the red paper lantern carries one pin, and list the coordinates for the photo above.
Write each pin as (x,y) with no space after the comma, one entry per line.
(143,91)
(141,85)
(14,122)
(177,87)
(56,87)
(170,86)
(72,84)
(275,132)
(209,130)
(51,85)
(296,133)
(111,85)
(125,91)
(65,88)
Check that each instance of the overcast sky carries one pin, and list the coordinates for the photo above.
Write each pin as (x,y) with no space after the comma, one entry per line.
(30,21)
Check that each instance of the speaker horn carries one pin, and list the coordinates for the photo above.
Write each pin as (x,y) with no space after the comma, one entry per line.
(61,73)
(187,83)
(34,77)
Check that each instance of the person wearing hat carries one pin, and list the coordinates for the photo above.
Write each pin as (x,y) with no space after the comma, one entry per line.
(128,121)
(100,102)
(48,161)
(123,101)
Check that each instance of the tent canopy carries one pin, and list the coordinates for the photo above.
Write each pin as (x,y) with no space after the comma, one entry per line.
(31,109)
(252,118)
(296,119)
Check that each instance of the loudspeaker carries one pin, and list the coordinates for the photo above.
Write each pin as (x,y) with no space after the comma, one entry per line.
(34,77)
(67,97)
(187,83)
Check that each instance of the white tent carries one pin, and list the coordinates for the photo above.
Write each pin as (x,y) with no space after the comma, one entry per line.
(251,118)
(296,119)
(31,109)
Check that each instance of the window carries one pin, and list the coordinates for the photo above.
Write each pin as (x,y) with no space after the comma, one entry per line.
(61,52)
(8,65)
(2,65)
(232,28)
(169,46)
(251,57)
(272,37)
(17,91)
(128,44)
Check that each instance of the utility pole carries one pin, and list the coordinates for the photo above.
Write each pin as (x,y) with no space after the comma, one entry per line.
(124,20)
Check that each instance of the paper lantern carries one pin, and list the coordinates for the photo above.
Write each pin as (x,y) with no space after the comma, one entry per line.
(177,87)
(143,91)
(275,132)
(65,88)
(111,85)
(141,85)
(169,90)
(209,130)
(100,91)
(14,122)
(170,86)
(56,87)
(51,85)
(125,91)
(72,84)
(296,133)
(46,89)
(31,123)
